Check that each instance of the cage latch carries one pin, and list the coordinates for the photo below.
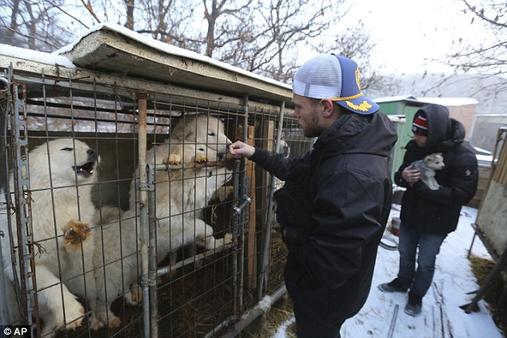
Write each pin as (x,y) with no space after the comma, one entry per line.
(243,202)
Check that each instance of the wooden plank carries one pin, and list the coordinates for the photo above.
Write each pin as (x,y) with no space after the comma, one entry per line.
(252,233)
(500,172)
(268,134)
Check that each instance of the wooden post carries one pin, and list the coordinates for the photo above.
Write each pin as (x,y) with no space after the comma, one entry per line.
(252,233)
(268,134)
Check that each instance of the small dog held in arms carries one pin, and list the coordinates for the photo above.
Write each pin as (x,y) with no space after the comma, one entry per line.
(62,173)
(428,166)
(180,196)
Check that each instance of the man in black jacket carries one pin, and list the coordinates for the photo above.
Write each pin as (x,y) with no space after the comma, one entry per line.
(427,216)
(336,200)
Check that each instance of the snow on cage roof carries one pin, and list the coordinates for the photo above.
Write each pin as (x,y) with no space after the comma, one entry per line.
(32,55)
(167,48)
(115,48)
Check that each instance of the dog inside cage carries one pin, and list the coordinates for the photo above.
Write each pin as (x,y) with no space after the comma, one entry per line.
(84,208)
(125,209)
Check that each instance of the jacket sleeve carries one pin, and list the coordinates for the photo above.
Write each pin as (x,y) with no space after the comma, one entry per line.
(276,164)
(408,158)
(348,215)
(462,183)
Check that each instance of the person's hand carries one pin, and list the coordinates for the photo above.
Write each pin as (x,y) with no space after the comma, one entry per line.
(411,175)
(239,149)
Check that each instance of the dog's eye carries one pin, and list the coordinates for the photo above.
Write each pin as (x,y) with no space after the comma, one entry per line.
(201,149)
(67,149)
(210,173)
(211,134)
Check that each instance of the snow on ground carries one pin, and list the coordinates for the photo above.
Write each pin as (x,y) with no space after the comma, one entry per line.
(441,316)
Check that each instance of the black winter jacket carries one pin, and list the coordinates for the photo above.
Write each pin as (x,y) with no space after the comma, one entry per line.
(333,210)
(437,211)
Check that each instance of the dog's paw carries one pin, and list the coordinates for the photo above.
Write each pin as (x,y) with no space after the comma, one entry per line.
(173,159)
(75,232)
(96,323)
(135,295)
(227,238)
(74,313)
(114,322)
(99,320)
(201,158)
(74,316)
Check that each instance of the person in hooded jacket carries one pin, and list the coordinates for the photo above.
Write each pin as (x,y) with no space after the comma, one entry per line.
(427,216)
(336,200)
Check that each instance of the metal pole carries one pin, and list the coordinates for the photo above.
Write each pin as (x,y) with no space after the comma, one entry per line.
(23,203)
(4,93)
(241,214)
(393,321)
(144,213)
(235,236)
(490,279)
(4,312)
(152,274)
(248,317)
(266,243)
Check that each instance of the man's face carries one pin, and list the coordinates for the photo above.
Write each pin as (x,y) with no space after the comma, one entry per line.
(420,140)
(307,111)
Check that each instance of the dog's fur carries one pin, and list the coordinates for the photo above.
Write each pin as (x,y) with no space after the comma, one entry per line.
(180,196)
(427,168)
(63,242)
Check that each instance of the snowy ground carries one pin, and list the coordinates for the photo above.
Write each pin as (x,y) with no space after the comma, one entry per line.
(441,316)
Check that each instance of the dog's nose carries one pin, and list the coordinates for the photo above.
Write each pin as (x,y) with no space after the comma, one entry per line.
(220,156)
(92,155)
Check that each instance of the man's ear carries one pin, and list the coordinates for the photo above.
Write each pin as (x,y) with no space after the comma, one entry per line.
(328,107)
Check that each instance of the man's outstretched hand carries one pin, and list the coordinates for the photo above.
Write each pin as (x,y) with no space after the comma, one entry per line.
(240,149)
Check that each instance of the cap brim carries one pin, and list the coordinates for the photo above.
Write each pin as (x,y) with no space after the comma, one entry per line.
(360,105)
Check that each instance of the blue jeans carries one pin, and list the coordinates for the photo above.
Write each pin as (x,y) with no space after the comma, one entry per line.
(419,281)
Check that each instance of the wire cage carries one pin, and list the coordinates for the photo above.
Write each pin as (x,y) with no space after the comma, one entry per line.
(121,214)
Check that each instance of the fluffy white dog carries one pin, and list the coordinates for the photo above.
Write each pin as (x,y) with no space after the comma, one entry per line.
(180,196)
(62,173)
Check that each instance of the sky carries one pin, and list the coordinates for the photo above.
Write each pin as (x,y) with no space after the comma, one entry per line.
(408,34)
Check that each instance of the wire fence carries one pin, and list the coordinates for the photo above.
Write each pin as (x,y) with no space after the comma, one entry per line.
(122,215)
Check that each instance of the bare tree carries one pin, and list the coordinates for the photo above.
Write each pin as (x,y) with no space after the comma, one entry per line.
(268,42)
(30,24)
(489,57)
(167,21)
(130,4)
(355,43)
(264,37)
(225,24)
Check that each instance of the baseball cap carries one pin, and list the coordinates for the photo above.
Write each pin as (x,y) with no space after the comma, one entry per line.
(333,77)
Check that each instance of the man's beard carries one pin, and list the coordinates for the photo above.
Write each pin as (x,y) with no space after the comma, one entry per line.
(313,130)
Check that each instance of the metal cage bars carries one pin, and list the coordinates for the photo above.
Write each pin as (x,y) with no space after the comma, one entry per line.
(149,272)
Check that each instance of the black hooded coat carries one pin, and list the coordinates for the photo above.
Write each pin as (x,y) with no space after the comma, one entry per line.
(333,210)
(437,211)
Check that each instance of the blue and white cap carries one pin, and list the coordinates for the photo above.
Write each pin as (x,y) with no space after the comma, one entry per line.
(333,77)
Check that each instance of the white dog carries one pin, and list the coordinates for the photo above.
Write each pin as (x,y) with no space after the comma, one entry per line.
(427,167)
(61,176)
(180,196)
